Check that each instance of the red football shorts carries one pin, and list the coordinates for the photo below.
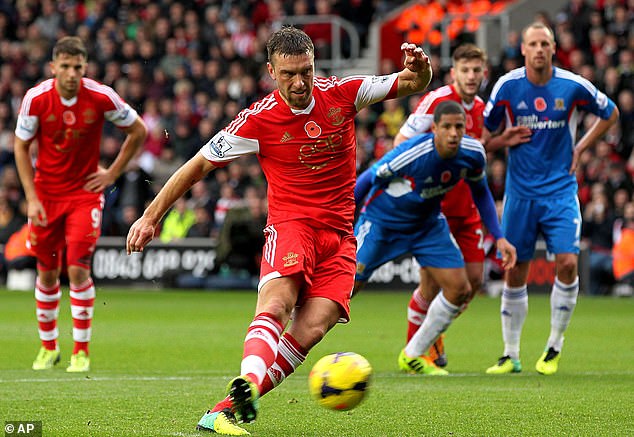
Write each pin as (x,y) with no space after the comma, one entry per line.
(469,234)
(73,225)
(326,259)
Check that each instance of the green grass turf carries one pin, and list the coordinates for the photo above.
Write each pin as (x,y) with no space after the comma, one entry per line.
(159,359)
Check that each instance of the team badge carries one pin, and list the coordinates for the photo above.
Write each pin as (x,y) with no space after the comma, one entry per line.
(290,259)
(560,105)
(312,129)
(445,176)
(335,116)
(69,117)
(540,104)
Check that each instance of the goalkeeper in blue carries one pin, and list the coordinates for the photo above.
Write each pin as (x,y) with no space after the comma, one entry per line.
(541,188)
(401,214)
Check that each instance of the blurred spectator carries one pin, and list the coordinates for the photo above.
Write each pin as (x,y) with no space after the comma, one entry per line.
(177,222)
(497,178)
(623,256)
(597,228)
(241,237)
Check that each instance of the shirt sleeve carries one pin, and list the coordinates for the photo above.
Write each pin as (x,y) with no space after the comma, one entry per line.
(122,115)
(26,127)
(375,89)
(225,147)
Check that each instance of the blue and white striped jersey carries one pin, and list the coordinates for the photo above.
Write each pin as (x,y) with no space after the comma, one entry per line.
(540,168)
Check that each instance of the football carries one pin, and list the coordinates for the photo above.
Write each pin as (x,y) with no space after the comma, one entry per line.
(340,381)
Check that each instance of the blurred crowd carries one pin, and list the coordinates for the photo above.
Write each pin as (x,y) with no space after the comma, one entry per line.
(189,67)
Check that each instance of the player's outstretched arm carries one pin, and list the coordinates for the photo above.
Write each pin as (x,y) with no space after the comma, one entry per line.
(417,73)
(142,231)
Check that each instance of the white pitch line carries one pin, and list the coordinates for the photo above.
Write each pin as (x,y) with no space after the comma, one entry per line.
(112,378)
(386,375)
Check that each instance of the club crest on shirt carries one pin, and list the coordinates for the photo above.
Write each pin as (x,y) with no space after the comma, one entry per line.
(560,105)
(335,116)
(69,117)
(219,147)
(290,259)
(312,129)
(540,104)
(445,176)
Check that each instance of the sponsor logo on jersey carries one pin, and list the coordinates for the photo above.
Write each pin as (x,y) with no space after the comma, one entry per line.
(428,193)
(540,104)
(219,148)
(290,259)
(51,118)
(560,105)
(335,116)
(316,155)
(312,129)
(429,180)
(286,137)
(69,117)
(522,105)
(533,122)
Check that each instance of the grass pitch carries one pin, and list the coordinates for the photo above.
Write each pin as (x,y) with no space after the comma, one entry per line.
(160,358)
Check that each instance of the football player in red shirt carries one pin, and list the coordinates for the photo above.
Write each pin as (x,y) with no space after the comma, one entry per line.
(468,70)
(303,136)
(64,116)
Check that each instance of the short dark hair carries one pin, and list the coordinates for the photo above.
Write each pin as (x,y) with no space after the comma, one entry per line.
(468,51)
(70,45)
(289,41)
(448,107)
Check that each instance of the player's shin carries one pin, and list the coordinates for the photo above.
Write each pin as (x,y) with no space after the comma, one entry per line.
(47,310)
(289,357)
(514,308)
(416,312)
(563,300)
(82,301)
(260,347)
(439,316)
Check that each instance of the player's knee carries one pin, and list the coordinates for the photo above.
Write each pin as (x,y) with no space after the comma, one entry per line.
(567,267)
(459,294)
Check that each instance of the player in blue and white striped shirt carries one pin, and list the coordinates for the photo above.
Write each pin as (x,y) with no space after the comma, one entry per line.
(542,104)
